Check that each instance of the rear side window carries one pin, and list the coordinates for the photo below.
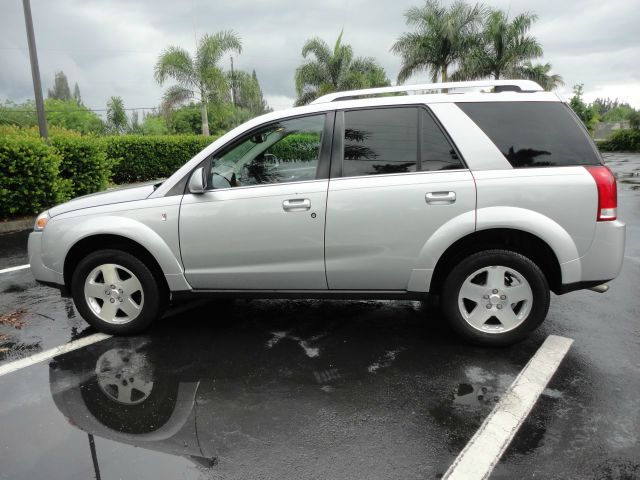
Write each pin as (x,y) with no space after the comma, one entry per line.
(534,134)
(394,140)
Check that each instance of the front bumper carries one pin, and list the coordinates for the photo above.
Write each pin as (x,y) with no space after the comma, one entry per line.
(41,272)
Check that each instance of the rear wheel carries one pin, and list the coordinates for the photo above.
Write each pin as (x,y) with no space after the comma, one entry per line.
(495,297)
(116,293)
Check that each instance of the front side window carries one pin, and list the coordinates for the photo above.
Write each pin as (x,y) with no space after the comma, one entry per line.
(281,152)
(395,140)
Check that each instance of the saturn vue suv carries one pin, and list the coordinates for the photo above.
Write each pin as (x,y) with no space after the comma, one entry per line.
(485,195)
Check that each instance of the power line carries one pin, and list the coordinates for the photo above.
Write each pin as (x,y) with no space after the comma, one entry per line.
(74,110)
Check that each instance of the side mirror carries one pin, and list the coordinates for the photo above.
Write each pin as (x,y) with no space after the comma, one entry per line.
(197,181)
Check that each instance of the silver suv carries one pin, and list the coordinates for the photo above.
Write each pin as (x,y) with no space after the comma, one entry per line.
(486,200)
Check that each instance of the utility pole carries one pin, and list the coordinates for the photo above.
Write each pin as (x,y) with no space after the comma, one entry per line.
(233,85)
(35,71)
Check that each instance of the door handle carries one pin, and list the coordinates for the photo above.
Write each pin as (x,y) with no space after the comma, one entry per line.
(296,205)
(440,198)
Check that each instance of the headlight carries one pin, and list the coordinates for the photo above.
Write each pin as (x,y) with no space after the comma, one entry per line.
(41,221)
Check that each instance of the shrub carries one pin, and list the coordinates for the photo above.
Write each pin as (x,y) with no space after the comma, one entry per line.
(29,180)
(297,147)
(84,163)
(141,158)
(627,140)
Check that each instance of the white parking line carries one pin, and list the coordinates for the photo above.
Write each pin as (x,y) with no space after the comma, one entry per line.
(482,453)
(13,269)
(47,354)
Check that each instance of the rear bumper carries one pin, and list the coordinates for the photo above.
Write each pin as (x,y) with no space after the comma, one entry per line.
(603,260)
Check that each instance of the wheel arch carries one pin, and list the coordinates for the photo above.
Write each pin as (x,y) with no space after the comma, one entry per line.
(520,241)
(101,241)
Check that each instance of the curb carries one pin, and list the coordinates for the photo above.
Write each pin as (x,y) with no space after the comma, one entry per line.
(18,225)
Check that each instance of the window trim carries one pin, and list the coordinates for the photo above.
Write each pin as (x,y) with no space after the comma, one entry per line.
(337,158)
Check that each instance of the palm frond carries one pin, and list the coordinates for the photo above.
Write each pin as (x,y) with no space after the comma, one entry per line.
(175,63)
(176,95)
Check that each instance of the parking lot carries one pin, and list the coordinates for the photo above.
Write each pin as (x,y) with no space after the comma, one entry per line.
(314,389)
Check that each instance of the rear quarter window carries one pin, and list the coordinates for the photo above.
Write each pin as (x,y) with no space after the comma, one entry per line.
(534,134)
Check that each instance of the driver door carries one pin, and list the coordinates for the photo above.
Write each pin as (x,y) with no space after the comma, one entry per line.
(260,224)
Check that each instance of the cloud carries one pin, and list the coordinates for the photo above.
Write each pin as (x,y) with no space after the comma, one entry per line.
(110,48)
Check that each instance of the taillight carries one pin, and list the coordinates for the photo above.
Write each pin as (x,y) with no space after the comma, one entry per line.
(607,193)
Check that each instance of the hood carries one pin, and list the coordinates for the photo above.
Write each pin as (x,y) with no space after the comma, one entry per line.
(117,195)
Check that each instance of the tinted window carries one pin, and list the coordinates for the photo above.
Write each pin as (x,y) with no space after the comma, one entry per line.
(436,153)
(286,151)
(383,140)
(386,140)
(534,134)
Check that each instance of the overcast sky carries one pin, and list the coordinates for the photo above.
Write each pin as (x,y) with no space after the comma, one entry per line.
(110,46)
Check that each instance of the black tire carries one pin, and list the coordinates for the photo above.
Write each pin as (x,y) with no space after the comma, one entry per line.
(154,295)
(529,270)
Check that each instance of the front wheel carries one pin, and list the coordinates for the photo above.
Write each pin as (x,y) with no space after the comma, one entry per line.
(495,297)
(115,292)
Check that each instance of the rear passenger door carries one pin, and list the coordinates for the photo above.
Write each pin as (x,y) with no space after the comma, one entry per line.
(396,179)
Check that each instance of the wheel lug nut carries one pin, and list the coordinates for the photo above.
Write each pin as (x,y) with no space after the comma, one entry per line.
(120,291)
(112,300)
(499,307)
(503,297)
(495,290)
(488,305)
(113,286)
(120,299)
(485,296)
(107,292)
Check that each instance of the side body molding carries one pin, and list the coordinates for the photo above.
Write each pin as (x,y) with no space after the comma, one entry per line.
(69,231)
(496,217)
(435,246)
(542,227)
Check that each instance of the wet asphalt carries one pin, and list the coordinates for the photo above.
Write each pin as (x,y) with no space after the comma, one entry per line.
(314,389)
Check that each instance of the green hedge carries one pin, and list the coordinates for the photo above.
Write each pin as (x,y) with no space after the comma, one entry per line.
(621,141)
(84,163)
(29,176)
(35,175)
(140,158)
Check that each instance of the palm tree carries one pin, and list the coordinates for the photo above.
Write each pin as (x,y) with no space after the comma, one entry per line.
(116,115)
(501,48)
(441,38)
(334,71)
(198,77)
(539,73)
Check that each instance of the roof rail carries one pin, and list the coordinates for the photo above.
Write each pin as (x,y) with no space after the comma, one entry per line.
(507,85)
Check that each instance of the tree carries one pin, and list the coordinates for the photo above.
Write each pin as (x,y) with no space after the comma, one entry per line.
(60,90)
(586,113)
(134,124)
(76,94)
(618,114)
(634,120)
(442,36)
(198,77)
(502,47)
(334,70)
(116,115)
(68,114)
(539,73)
(248,92)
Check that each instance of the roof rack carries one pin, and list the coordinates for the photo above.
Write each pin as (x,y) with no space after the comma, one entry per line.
(503,85)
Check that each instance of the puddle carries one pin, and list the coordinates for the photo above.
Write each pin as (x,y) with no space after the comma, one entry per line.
(469,395)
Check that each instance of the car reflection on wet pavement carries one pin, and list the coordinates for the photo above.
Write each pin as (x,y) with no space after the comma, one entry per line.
(315,389)
(257,396)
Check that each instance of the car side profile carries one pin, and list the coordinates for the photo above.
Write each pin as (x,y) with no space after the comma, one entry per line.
(486,200)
